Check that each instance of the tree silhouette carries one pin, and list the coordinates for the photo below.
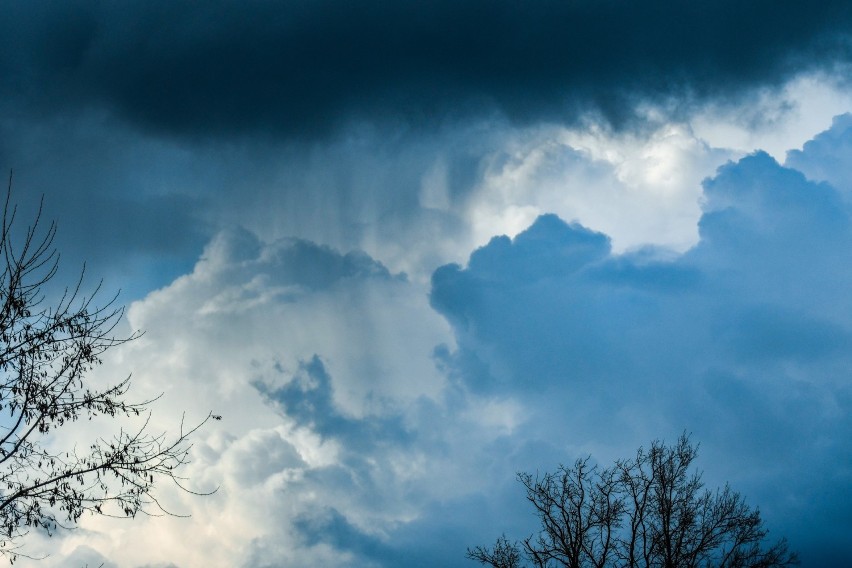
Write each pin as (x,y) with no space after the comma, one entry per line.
(646,511)
(45,353)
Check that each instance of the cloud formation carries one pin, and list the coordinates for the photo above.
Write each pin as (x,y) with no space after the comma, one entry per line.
(744,340)
(303,69)
(137,207)
(601,295)
(321,364)
(363,427)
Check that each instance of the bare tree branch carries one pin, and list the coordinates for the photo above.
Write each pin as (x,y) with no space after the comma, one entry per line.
(45,354)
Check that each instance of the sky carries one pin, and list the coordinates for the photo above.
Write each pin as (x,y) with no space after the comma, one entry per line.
(409,249)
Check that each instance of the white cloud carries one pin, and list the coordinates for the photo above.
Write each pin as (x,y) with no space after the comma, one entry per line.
(638,189)
(333,408)
(779,119)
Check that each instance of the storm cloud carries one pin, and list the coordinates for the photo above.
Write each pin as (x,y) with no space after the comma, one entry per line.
(302,69)
(407,249)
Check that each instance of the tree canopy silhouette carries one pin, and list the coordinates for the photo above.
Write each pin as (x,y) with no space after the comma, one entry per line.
(646,511)
(46,351)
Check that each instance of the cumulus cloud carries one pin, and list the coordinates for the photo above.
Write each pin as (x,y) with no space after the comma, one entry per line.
(743,340)
(365,427)
(334,411)
(825,157)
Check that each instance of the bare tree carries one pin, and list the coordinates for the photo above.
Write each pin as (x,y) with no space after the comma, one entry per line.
(645,512)
(45,353)
(577,507)
(505,554)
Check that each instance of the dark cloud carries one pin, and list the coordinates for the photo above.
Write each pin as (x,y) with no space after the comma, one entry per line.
(139,209)
(300,68)
(127,207)
(743,340)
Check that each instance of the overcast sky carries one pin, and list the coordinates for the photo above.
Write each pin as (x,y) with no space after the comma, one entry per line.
(409,249)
